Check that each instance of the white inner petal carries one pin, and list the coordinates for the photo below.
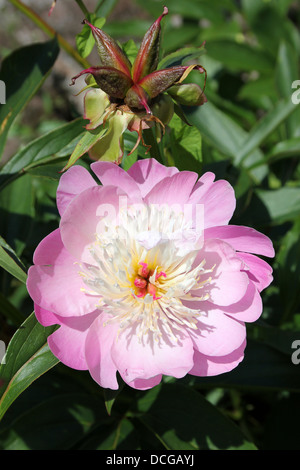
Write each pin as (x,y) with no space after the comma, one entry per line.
(144,271)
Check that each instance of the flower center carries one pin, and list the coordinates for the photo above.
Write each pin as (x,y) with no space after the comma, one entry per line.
(143,280)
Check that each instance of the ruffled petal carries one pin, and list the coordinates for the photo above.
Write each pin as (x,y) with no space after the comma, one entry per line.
(228,283)
(146,358)
(113,175)
(218,199)
(68,342)
(248,309)
(205,366)
(217,334)
(44,317)
(145,384)
(55,284)
(99,341)
(174,190)
(258,270)
(86,217)
(242,239)
(148,172)
(72,183)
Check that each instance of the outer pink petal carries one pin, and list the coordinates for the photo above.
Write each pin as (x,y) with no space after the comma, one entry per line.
(228,282)
(71,183)
(228,288)
(50,250)
(148,172)
(148,358)
(111,174)
(145,384)
(209,366)
(45,317)
(98,352)
(84,216)
(258,270)
(57,288)
(218,334)
(54,283)
(249,308)
(68,342)
(175,189)
(218,199)
(242,239)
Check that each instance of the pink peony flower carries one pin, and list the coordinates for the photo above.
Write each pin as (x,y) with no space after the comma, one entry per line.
(145,276)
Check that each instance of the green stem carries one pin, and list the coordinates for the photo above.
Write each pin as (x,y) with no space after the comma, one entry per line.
(82,7)
(150,139)
(49,31)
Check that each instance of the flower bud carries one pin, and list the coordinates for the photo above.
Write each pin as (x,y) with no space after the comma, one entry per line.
(189,94)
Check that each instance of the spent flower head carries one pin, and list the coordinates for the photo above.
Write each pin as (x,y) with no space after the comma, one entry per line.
(130,96)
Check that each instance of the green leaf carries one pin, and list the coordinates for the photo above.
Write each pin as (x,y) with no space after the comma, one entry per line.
(10,262)
(130,49)
(27,358)
(85,40)
(289,272)
(23,72)
(285,73)
(285,149)
(224,134)
(282,204)
(50,145)
(186,148)
(181,56)
(265,127)
(182,419)
(239,56)
(88,140)
(17,213)
(111,395)
(56,423)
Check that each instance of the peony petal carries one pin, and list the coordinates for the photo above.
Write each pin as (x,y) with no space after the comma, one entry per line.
(68,342)
(228,282)
(98,352)
(44,317)
(59,288)
(50,250)
(148,172)
(174,190)
(84,218)
(111,174)
(218,334)
(258,270)
(218,199)
(247,309)
(72,183)
(209,366)
(242,239)
(145,384)
(147,358)
(54,282)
